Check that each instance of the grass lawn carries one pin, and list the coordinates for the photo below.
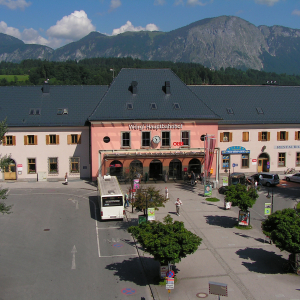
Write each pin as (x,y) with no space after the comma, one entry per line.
(12,77)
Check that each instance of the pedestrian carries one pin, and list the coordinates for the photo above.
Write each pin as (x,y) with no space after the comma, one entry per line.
(126,201)
(260,179)
(66,178)
(255,184)
(178,203)
(193,178)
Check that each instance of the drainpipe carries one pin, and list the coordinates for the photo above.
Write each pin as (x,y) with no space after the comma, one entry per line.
(100,164)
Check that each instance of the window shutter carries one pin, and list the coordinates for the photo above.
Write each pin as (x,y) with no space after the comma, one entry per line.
(47,139)
(4,141)
(14,140)
(79,139)
(69,139)
(278,136)
(221,136)
(296,135)
(286,135)
(259,136)
(25,140)
(268,136)
(35,140)
(57,139)
(230,136)
(245,136)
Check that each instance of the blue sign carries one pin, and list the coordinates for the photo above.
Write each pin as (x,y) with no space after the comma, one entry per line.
(234,165)
(236,150)
(268,166)
(128,291)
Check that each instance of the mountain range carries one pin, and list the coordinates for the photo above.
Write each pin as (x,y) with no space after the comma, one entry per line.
(225,41)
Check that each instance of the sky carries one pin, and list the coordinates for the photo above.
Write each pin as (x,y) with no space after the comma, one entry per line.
(58,22)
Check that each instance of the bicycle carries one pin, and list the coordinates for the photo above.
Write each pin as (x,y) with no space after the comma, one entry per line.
(290,266)
(290,171)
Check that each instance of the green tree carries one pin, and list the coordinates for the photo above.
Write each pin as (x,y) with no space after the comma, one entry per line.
(283,228)
(167,241)
(4,161)
(149,196)
(239,195)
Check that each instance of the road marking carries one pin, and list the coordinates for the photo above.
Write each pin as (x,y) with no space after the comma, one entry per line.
(75,202)
(73,259)
(121,255)
(109,228)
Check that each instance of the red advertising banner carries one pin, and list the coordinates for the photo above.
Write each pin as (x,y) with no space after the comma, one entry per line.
(209,152)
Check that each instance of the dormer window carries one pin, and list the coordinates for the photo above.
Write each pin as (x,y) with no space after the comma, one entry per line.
(153,106)
(129,106)
(259,110)
(230,111)
(62,111)
(34,111)
(176,106)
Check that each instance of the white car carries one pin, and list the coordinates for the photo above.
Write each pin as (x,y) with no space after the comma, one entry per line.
(293,177)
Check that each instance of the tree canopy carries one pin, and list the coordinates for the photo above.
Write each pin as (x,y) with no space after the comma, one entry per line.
(167,241)
(283,228)
(239,195)
(95,71)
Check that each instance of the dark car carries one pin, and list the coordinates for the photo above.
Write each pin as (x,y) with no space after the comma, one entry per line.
(267,179)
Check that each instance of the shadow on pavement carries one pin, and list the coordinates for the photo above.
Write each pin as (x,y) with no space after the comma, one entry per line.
(222,221)
(261,240)
(94,208)
(132,270)
(262,261)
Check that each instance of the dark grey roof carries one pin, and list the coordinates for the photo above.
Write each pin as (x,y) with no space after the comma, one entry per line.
(80,101)
(151,84)
(279,104)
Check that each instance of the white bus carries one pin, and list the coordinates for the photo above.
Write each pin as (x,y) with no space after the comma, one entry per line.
(110,198)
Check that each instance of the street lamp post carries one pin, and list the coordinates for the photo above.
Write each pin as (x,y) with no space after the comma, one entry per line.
(113,70)
(269,196)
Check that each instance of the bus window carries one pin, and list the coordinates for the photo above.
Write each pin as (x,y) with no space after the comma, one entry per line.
(112,201)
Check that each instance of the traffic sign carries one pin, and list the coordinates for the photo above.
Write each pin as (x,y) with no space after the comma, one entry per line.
(170,284)
(170,274)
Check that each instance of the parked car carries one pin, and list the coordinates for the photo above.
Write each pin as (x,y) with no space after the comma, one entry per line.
(234,179)
(267,179)
(293,177)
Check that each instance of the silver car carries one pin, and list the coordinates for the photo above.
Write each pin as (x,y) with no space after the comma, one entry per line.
(293,177)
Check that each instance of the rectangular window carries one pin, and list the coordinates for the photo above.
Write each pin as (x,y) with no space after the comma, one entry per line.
(146,139)
(185,138)
(226,137)
(281,159)
(297,159)
(53,165)
(52,139)
(31,166)
(74,165)
(225,161)
(246,136)
(297,135)
(9,140)
(125,139)
(165,139)
(30,139)
(245,161)
(74,139)
(282,136)
(264,136)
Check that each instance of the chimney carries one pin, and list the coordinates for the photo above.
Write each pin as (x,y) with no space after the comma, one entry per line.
(46,87)
(167,87)
(134,87)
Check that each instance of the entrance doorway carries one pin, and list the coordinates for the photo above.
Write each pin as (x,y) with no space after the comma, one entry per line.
(155,169)
(175,168)
(195,166)
(116,168)
(10,171)
(263,163)
(137,166)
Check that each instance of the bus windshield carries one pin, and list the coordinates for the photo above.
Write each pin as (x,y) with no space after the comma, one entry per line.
(112,201)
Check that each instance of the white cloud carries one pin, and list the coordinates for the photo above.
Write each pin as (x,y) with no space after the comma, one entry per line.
(179,2)
(9,30)
(296,12)
(159,2)
(72,27)
(129,27)
(115,4)
(267,2)
(14,4)
(197,2)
